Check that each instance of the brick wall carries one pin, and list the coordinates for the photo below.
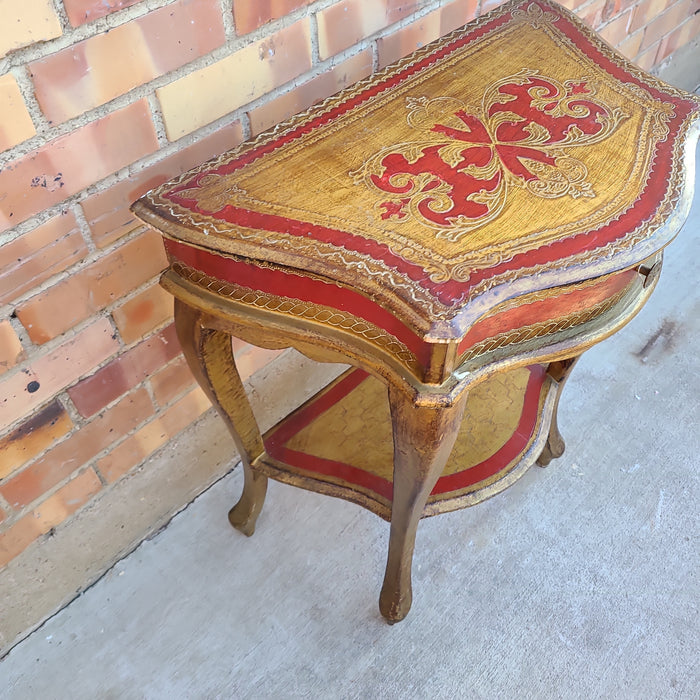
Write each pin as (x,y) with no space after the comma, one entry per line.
(101,100)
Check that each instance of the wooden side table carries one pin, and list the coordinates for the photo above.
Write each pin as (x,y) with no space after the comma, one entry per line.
(460,228)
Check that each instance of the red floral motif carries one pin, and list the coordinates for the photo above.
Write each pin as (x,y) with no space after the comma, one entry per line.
(456,178)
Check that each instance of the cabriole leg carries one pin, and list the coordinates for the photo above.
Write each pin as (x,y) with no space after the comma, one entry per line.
(210,357)
(423,440)
(554,447)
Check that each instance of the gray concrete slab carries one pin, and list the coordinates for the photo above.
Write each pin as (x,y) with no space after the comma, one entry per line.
(57,568)
(580,581)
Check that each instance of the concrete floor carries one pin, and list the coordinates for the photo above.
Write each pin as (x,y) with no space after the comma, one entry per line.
(580,581)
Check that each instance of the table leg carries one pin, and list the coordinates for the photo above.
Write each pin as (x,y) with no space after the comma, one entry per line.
(423,440)
(554,447)
(209,354)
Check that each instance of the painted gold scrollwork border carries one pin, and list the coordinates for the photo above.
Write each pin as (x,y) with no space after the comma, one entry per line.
(325,315)
(543,328)
(382,273)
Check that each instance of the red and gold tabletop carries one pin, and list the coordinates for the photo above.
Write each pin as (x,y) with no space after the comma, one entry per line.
(516,154)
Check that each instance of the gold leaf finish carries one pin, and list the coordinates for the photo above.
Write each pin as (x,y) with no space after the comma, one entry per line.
(459,228)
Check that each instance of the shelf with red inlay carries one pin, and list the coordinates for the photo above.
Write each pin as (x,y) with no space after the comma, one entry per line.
(340,441)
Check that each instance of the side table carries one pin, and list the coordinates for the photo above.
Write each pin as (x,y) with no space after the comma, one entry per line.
(459,228)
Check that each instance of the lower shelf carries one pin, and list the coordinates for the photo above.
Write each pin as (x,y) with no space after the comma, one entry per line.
(340,441)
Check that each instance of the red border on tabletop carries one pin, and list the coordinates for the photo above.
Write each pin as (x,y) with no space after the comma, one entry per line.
(452,293)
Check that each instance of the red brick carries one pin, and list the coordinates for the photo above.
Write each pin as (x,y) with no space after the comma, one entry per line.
(645,11)
(487,5)
(680,37)
(18,536)
(630,46)
(91,289)
(610,9)
(250,360)
(140,315)
(572,4)
(251,14)
(662,49)
(124,372)
(95,71)
(51,513)
(72,162)
(615,32)
(328,83)
(647,59)
(54,510)
(11,351)
(40,381)
(33,436)
(31,259)
(347,22)
(421,32)
(456,14)
(70,455)
(82,11)
(15,123)
(144,442)
(24,23)
(688,32)
(671,19)
(205,95)
(172,381)
(108,212)
(592,14)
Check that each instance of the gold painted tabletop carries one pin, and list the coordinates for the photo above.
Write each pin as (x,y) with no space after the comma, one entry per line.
(516,154)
